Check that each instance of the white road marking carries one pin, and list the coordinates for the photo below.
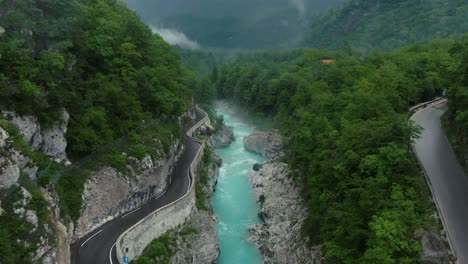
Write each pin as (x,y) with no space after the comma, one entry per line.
(91,237)
(160,195)
(110,253)
(131,212)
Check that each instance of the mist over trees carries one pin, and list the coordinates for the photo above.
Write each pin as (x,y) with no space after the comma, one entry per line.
(255,24)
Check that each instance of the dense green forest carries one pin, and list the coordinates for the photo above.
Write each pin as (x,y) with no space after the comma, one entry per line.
(97,60)
(365,25)
(457,116)
(348,138)
(94,58)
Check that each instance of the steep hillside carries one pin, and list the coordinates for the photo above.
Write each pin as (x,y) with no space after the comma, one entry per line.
(364,25)
(75,76)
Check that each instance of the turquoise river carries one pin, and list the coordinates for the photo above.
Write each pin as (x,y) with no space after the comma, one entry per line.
(234,202)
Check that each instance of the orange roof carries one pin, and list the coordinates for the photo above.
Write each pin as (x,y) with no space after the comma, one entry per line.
(328,61)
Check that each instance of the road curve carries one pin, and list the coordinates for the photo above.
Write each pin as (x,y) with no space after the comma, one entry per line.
(447,179)
(95,248)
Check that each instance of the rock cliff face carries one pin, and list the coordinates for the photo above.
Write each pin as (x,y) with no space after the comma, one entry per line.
(433,249)
(267,144)
(279,237)
(12,163)
(50,140)
(222,138)
(108,193)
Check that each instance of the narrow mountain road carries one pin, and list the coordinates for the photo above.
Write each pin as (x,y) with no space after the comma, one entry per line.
(447,178)
(98,246)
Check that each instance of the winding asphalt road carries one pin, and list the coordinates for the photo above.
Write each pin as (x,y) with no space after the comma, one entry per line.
(98,246)
(447,178)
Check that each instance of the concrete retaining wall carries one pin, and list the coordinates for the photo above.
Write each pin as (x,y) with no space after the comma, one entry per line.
(137,237)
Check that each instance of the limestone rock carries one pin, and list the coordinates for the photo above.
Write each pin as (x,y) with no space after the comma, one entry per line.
(222,138)
(25,200)
(50,140)
(267,144)
(31,217)
(433,250)
(279,238)
(147,162)
(9,172)
(1,210)
(3,137)
(28,126)
(108,193)
(31,172)
(54,142)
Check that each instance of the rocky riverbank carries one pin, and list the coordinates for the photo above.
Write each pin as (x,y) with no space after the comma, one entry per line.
(279,238)
(202,244)
(222,138)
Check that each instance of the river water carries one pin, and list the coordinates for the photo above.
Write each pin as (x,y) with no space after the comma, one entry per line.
(234,203)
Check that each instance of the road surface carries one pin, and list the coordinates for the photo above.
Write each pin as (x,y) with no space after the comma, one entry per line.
(449,183)
(95,248)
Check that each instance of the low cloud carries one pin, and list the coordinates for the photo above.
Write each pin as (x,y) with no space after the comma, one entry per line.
(175,37)
(300,6)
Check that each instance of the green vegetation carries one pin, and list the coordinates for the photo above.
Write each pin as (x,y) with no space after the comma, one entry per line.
(160,250)
(456,119)
(207,164)
(14,229)
(365,25)
(138,144)
(96,59)
(348,137)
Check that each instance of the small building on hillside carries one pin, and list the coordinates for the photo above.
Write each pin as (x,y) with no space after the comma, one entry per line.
(328,61)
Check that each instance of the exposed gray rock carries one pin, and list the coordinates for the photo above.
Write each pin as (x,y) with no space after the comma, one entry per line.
(28,126)
(1,210)
(109,193)
(31,217)
(2,30)
(257,167)
(9,172)
(222,138)
(433,250)
(61,252)
(50,140)
(279,238)
(3,137)
(31,172)
(19,211)
(26,197)
(267,144)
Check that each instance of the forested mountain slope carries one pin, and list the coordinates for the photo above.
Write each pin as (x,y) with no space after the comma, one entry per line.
(387,24)
(96,61)
(348,138)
